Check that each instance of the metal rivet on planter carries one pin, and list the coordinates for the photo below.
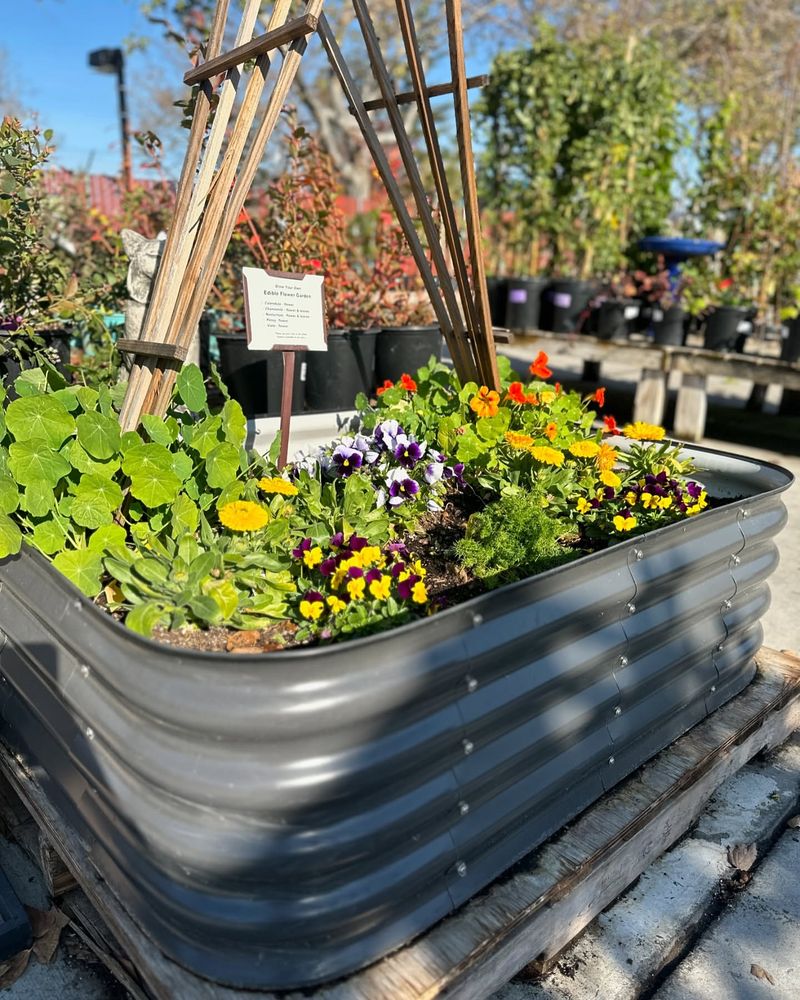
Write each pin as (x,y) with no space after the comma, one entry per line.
(713,688)
(463,807)
(720,647)
(85,671)
(726,605)
(461,869)
(472,683)
(745,513)
(468,746)
(736,560)
(623,661)
(611,760)
(631,608)
(89,733)
(639,554)
(477,618)
(618,710)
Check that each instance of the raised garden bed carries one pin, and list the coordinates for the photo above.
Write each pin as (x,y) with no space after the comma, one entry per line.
(281,820)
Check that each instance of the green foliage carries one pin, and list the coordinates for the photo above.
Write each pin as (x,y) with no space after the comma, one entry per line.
(513,537)
(579,143)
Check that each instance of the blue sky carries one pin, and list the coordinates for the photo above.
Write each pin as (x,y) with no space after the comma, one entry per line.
(45,44)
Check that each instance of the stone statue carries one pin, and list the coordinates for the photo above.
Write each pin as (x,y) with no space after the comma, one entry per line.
(144,255)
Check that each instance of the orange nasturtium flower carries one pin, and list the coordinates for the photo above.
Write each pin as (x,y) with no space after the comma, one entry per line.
(388,384)
(486,403)
(518,395)
(407,382)
(600,396)
(539,367)
(610,425)
(551,430)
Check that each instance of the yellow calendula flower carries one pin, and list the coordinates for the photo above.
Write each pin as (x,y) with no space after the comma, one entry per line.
(582,505)
(419,592)
(312,557)
(243,515)
(517,440)
(381,589)
(275,484)
(641,431)
(609,478)
(624,523)
(311,609)
(548,456)
(584,449)
(355,588)
(606,457)
(336,604)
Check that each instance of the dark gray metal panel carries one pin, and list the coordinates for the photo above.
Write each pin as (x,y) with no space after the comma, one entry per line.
(279,820)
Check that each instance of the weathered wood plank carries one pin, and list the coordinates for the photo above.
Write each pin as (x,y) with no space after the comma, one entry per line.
(752,367)
(437,90)
(529,915)
(691,408)
(585,348)
(650,399)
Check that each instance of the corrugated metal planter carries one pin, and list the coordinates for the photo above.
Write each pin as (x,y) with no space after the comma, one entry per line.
(280,820)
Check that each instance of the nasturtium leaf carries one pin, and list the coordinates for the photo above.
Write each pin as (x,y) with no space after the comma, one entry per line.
(225,596)
(98,434)
(108,538)
(185,516)
(234,424)
(182,465)
(10,537)
(81,460)
(40,418)
(469,446)
(35,462)
(117,392)
(222,464)
(128,440)
(48,536)
(69,397)
(146,458)
(9,495)
(31,382)
(152,478)
(191,388)
(233,491)
(204,436)
(143,618)
(95,498)
(159,430)
(38,500)
(88,398)
(83,567)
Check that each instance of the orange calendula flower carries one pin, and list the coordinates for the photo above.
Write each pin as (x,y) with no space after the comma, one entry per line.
(548,456)
(641,431)
(517,440)
(551,431)
(600,396)
(486,403)
(584,449)
(606,457)
(388,384)
(539,367)
(610,425)
(517,394)
(243,515)
(407,382)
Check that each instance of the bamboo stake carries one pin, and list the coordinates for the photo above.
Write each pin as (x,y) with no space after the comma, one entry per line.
(183,326)
(483,336)
(429,130)
(384,81)
(129,418)
(353,96)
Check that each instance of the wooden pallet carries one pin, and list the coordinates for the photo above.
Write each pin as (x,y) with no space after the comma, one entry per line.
(525,918)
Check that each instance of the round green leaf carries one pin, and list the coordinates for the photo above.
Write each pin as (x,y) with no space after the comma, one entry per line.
(9,495)
(182,465)
(144,458)
(152,478)
(234,424)
(185,516)
(98,434)
(35,462)
(222,465)
(83,567)
(10,537)
(81,460)
(40,418)
(108,538)
(191,388)
(39,499)
(49,537)
(95,498)
(159,430)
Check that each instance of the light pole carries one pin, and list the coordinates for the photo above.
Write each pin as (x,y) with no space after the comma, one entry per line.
(113,61)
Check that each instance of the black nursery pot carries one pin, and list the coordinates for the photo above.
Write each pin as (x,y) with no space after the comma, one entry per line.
(790,349)
(255,378)
(56,340)
(670,329)
(609,320)
(338,375)
(524,303)
(722,325)
(563,301)
(497,290)
(401,349)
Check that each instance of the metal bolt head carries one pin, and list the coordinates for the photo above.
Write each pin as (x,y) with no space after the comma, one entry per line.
(726,605)
(735,560)
(85,671)
(631,608)
(468,746)
(745,513)
(477,618)
(472,683)
(463,807)
(639,555)
(611,760)
(713,688)
(89,733)
(618,710)
(461,869)
(623,661)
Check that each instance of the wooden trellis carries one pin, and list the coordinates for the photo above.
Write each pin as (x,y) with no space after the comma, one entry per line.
(219,170)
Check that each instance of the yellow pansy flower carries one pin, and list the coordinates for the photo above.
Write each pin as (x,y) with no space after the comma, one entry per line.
(419,592)
(312,557)
(381,589)
(582,505)
(311,609)
(355,588)
(336,604)
(624,523)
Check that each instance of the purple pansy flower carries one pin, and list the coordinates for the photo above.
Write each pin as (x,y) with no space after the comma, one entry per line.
(694,489)
(372,575)
(398,547)
(347,460)
(327,566)
(408,452)
(386,434)
(364,445)
(313,595)
(397,569)
(405,587)
(356,543)
(401,487)
(455,472)
(304,546)
(337,540)
(433,472)
(355,571)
